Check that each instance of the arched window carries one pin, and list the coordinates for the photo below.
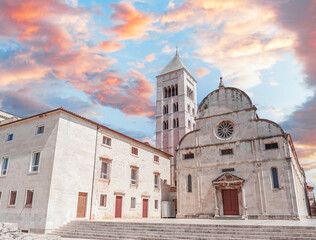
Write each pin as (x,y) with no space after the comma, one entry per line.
(177,107)
(169,92)
(166,92)
(275,177)
(177,122)
(189,183)
(173,90)
(174,123)
(176,89)
(167,125)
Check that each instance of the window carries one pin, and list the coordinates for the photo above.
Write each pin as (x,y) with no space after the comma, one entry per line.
(107,141)
(228,169)
(173,90)
(134,176)
(135,151)
(193,126)
(188,108)
(156,159)
(275,177)
(189,183)
(4,166)
(9,137)
(156,181)
(12,198)
(176,89)
(0,195)
(166,92)
(165,125)
(103,198)
(193,111)
(169,91)
(188,155)
(35,161)
(165,109)
(228,151)
(105,169)
(40,129)
(189,124)
(175,122)
(156,204)
(29,198)
(175,107)
(133,202)
(269,146)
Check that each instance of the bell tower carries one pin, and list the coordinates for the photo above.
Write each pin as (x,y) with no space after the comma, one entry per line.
(176,107)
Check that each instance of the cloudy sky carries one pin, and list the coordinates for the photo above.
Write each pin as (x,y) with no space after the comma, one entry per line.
(99,58)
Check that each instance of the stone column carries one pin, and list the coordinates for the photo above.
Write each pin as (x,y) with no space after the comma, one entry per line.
(216,203)
(245,214)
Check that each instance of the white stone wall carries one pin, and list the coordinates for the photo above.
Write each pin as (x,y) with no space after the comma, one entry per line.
(19,178)
(120,177)
(72,170)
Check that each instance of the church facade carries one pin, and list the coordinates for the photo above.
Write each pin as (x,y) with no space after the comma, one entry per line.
(235,164)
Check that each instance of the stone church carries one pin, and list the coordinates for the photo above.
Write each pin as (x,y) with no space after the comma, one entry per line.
(227,161)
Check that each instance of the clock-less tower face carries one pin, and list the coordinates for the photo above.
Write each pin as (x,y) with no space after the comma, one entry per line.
(224,130)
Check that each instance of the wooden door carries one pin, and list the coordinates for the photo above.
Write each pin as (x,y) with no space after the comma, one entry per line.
(145,208)
(82,205)
(118,206)
(230,202)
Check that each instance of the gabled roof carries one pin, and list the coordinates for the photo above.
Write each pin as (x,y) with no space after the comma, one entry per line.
(175,64)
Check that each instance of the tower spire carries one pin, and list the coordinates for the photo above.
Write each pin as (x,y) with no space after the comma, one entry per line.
(221,84)
(176,50)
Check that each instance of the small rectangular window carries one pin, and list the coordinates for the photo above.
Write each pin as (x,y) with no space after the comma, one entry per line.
(35,161)
(40,129)
(188,156)
(12,198)
(0,195)
(269,146)
(29,198)
(4,166)
(105,170)
(134,176)
(135,151)
(133,202)
(156,204)
(103,198)
(156,181)
(228,169)
(156,159)
(227,151)
(107,141)
(9,137)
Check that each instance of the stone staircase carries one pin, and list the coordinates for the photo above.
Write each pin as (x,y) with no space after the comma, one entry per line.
(134,230)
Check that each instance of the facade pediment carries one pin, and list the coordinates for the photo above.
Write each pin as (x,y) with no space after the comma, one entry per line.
(228,178)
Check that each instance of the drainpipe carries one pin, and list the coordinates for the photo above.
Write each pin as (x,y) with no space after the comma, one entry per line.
(93,172)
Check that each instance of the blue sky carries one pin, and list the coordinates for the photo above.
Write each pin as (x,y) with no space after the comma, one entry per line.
(100,58)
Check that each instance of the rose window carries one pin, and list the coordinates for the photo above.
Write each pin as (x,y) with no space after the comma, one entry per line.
(225,129)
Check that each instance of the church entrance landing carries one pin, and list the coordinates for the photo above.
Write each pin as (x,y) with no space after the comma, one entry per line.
(229,196)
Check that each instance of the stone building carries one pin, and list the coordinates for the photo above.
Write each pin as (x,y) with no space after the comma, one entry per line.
(236,164)
(58,166)
(176,107)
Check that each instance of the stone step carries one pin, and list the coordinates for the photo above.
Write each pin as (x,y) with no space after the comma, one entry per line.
(186,228)
(192,231)
(150,230)
(202,234)
(85,223)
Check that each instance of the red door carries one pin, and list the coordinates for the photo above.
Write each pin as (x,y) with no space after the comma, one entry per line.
(230,202)
(82,205)
(145,208)
(118,207)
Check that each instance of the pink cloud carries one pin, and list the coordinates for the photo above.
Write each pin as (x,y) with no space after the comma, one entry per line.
(201,72)
(151,57)
(111,46)
(135,24)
